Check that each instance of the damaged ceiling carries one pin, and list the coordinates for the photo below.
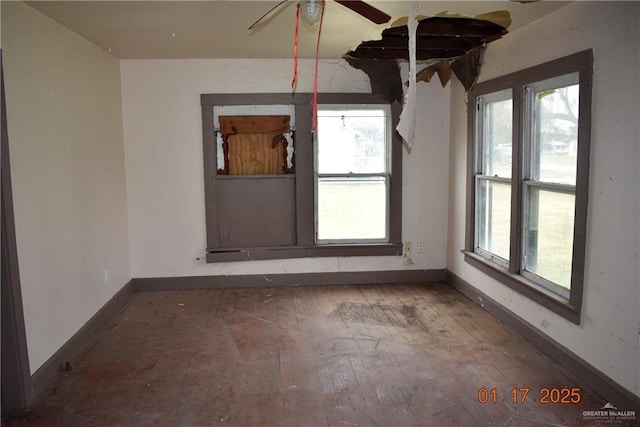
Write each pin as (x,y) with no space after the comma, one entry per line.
(449,43)
(445,44)
(437,37)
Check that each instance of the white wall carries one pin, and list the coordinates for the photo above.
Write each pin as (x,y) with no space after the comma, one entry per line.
(67,163)
(608,336)
(163,146)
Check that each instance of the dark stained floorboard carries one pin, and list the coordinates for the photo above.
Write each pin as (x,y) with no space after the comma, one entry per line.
(368,355)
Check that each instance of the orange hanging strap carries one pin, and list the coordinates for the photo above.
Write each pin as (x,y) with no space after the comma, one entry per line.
(295,49)
(314,118)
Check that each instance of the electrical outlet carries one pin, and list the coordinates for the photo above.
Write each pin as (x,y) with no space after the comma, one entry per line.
(407,247)
(420,247)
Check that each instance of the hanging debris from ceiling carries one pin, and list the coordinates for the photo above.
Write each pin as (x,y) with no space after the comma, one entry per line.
(407,125)
(445,43)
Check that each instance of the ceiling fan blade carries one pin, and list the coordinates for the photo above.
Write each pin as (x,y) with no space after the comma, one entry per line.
(362,8)
(263,17)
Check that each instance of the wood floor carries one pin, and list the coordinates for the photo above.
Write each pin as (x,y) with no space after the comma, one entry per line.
(379,355)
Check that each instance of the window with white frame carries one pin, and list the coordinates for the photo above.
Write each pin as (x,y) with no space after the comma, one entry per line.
(493,178)
(352,173)
(549,184)
(529,162)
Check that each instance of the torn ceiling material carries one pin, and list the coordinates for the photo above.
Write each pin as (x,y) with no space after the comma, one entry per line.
(466,68)
(385,77)
(438,37)
(445,43)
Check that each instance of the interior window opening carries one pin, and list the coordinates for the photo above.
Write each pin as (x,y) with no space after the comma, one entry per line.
(255,145)
(352,173)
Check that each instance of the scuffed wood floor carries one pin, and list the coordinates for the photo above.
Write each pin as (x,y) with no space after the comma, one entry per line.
(383,355)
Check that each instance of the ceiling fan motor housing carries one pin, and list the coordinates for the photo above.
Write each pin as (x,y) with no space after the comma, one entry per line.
(311,10)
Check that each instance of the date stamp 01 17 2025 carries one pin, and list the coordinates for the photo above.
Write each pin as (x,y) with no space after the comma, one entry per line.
(546,395)
(563,396)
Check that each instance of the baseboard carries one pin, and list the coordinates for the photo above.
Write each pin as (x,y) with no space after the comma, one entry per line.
(611,391)
(292,279)
(45,375)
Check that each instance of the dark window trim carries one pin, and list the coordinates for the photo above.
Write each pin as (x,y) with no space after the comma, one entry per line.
(17,384)
(304,176)
(581,62)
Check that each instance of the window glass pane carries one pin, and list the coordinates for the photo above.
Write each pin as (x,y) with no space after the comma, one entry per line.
(555,135)
(493,217)
(496,136)
(352,141)
(548,234)
(352,208)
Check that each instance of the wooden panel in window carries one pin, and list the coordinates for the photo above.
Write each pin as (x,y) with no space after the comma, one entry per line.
(255,145)
(255,154)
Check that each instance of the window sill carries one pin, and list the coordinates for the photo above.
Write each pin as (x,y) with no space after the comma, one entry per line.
(283,252)
(542,296)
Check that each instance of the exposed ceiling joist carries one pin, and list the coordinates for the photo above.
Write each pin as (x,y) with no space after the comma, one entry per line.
(437,38)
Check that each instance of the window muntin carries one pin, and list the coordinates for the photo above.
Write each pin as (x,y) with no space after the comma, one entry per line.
(352,174)
(551,127)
